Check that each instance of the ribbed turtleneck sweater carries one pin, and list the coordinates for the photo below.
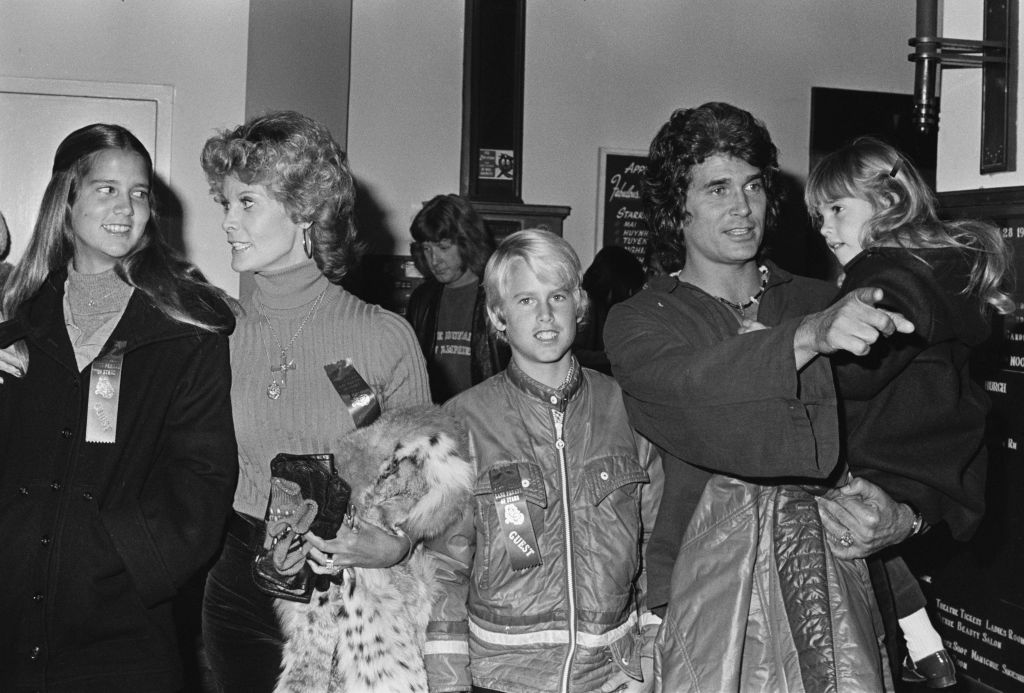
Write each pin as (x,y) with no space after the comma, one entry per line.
(310,416)
(93,305)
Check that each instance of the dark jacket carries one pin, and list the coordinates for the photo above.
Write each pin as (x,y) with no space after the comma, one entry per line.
(98,537)
(914,418)
(715,401)
(488,355)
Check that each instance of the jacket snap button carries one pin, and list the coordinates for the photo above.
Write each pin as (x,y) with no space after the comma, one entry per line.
(525,483)
(604,476)
(55,485)
(34,654)
(37,597)
(87,496)
(45,541)
(23,491)
(66,433)
(554,399)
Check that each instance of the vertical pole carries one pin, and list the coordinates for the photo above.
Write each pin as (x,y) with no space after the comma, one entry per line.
(926,67)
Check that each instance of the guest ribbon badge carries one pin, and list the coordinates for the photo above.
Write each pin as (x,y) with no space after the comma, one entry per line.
(104,396)
(517,530)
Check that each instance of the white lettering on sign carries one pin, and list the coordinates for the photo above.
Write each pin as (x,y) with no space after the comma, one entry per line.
(622,191)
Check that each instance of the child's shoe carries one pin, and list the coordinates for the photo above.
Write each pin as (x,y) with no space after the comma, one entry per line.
(934,671)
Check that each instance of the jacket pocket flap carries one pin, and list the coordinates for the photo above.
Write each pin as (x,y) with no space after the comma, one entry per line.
(531,479)
(626,652)
(606,474)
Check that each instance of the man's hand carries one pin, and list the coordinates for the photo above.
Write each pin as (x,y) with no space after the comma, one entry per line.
(860,519)
(852,324)
(10,363)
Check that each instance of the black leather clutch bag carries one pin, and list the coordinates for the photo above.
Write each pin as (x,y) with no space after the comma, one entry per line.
(306,495)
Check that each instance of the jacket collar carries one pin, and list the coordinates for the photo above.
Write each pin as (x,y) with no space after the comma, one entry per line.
(558,397)
(776,275)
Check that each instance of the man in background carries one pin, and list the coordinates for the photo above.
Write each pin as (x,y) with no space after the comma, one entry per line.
(448,311)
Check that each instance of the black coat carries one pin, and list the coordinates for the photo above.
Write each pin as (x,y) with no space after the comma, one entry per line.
(488,354)
(913,417)
(98,537)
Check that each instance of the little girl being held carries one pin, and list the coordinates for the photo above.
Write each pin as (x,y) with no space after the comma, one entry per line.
(912,418)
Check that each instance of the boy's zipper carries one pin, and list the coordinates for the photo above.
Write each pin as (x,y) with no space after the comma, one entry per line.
(570,573)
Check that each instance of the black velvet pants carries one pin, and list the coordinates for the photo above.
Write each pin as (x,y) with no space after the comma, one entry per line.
(240,632)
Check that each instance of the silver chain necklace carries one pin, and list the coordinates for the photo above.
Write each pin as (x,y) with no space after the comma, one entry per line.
(284,364)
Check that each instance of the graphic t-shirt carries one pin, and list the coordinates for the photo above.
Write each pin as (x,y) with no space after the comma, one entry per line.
(452,341)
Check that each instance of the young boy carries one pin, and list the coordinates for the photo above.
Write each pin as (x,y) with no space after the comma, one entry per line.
(544,587)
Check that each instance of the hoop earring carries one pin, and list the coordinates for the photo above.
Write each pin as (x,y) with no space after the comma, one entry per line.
(307,242)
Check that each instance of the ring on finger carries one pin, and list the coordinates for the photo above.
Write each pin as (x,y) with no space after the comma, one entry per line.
(846,540)
(329,563)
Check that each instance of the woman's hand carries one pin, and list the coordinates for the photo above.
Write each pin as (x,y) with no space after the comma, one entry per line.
(10,364)
(860,519)
(361,546)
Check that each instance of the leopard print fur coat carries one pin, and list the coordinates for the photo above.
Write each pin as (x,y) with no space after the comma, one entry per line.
(366,633)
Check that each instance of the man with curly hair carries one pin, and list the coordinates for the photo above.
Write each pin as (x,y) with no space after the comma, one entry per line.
(703,379)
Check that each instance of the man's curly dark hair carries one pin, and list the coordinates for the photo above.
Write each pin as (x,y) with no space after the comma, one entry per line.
(690,137)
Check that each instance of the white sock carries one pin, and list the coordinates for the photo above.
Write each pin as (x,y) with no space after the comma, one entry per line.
(921,636)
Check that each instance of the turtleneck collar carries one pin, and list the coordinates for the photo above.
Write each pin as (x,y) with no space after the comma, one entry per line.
(290,287)
(96,294)
(107,278)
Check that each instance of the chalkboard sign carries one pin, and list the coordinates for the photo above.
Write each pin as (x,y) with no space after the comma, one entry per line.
(620,214)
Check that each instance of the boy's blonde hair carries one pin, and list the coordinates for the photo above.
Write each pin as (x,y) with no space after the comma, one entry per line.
(548,256)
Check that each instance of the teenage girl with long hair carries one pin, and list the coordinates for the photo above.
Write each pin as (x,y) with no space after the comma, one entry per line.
(913,419)
(115,429)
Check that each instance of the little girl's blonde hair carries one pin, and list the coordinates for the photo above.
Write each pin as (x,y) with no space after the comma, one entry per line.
(905,213)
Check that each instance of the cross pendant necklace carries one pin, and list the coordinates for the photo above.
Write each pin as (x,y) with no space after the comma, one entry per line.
(275,387)
(279,372)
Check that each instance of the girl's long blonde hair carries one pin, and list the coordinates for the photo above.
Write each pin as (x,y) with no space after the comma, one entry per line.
(905,214)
